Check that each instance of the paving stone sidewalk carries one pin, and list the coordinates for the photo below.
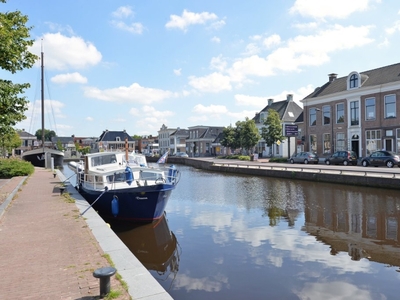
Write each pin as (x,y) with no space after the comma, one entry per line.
(46,250)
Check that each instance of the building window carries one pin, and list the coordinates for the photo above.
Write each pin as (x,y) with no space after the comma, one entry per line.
(370,110)
(326,112)
(340,113)
(353,81)
(327,143)
(340,142)
(390,106)
(373,140)
(313,116)
(391,228)
(398,140)
(354,113)
(313,142)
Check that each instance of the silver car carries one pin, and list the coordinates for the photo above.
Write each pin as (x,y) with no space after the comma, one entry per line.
(304,158)
(181,154)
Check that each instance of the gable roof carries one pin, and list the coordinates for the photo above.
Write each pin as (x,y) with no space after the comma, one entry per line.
(369,78)
(288,110)
(111,136)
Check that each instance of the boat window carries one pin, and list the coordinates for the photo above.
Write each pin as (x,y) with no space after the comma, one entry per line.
(150,175)
(103,160)
(117,177)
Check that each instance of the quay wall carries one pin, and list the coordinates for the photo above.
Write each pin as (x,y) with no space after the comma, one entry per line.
(359,178)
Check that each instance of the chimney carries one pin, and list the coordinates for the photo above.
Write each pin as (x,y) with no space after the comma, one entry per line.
(289,97)
(270,101)
(332,77)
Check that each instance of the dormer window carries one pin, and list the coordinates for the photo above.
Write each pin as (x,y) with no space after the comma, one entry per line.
(353,81)
(263,116)
(118,139)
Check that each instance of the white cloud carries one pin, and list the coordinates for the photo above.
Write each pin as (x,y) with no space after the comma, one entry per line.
(337,9)
(133,94)
(215,39)
(335,290)
(69,78)
(218,63)
(123,12)
(149,118)
(62,52)
(90,119)
(395,28)
(212,83)
(212,109)
(189,18)
(178,72)
(136,28)
(272,41)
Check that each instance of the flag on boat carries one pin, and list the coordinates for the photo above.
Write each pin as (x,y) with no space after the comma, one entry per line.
(163,159)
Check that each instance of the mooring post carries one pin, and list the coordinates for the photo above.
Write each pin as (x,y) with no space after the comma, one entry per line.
(104,274)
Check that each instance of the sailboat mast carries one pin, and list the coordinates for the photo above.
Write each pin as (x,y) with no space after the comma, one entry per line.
(42,95)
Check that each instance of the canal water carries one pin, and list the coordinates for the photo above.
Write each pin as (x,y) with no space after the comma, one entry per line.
(227,236)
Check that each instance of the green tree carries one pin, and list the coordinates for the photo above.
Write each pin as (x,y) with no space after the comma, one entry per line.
(229,138)
(271,132)
(249,134)
(9,141)
(14,56)
(48,134)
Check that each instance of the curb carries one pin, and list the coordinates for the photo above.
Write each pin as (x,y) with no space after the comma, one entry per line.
(5,204)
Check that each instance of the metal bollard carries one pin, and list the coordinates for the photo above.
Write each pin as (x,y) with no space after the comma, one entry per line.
(104,274)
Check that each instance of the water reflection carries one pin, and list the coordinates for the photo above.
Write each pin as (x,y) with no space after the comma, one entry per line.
(154,244)
(364,225)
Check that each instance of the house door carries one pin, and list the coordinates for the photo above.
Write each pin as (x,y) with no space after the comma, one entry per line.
(388,144)
(355,144)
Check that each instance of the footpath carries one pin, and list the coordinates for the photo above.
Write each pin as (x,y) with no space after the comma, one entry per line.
(47,250)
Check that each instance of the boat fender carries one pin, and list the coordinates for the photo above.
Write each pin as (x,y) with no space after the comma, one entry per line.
(128,175)
(115,206)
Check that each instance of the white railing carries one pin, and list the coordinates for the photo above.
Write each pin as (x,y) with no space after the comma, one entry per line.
(388,173)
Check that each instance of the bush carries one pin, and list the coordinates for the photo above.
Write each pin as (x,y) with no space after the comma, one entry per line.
(278,159)
(11,167)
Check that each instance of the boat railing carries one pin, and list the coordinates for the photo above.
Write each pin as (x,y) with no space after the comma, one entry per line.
(166,175)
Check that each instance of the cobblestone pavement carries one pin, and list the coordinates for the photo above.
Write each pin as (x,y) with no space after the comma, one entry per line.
(47,250)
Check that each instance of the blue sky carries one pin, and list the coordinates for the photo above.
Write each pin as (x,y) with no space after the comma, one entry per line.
(137,65)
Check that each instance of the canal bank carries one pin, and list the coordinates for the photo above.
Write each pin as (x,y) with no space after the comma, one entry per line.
(359,176)
(52,251)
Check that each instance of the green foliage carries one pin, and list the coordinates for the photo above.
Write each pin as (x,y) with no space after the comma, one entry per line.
(245,135)
(11,167)
(15,42)
(229,138)
(59,145)
(9,140)
(271,132)
(48,134)
(278,159)
(236,156)
(249,134)
(14,56)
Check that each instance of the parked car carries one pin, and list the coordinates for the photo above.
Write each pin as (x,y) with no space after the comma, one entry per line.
(181,154)
(304,158)
(342,157)
(381,158)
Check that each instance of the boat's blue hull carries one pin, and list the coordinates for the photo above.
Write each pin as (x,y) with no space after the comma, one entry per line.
(143,204)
